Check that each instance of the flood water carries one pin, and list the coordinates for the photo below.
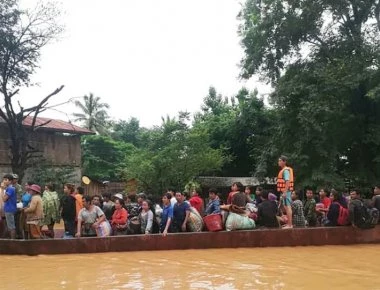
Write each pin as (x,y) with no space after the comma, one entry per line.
(327,267)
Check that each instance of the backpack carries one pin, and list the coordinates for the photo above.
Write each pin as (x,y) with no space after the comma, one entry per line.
(367,217)
(343,215)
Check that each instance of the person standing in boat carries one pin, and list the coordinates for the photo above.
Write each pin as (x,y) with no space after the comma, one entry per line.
(79,193)
(196,201)
(146,217)
(181,212)
(68,209)
(213,206)
(285,185)
(51,207)
(91,216)
(167,215)
(9,198)
(119,218)
(309,208)
(297,211)
(35,213)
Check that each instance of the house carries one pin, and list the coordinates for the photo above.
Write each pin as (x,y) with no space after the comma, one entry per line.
(57,141)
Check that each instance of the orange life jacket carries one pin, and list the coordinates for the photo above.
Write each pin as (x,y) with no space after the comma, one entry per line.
(281,182)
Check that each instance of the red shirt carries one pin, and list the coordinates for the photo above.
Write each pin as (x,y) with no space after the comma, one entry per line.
(230,195)
(326,202)
(197,203)
(119,217)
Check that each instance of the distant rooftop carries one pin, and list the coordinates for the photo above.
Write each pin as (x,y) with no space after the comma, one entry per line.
(55,126)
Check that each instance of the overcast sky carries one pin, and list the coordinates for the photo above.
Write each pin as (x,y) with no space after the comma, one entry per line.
(146,58)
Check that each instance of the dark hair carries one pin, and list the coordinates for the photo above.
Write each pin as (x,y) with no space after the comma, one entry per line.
(378,185)
(107,195)
(168,195)
(50,186)
(283,158)
(30,183)
(98,196)
(259,188)
(308,188)
(8,176)
(87,198)
(80,190)
(142,195)
(213,190)
(265,194)
(121,201)
(326,191)
(239,185)
(181,193)
(356,190)
(336,195)
(251,188)
(70,186)
(172,189)
(297,193)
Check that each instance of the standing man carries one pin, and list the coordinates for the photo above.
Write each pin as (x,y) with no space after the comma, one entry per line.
(17,186)
(285,185)
(10,203)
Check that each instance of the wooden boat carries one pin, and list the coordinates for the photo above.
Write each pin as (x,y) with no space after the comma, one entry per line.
(204,240)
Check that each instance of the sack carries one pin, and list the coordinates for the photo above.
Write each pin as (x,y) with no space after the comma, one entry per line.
(195,221)
(104,229)
(373,216)
(365,217)
(343,216)
(239,222)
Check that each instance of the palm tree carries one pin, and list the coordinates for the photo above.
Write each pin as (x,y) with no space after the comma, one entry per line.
(94,115)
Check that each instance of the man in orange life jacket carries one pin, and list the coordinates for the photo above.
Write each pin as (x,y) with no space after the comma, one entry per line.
(285,185)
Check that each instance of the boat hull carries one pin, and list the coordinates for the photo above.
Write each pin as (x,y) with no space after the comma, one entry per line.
(203,240)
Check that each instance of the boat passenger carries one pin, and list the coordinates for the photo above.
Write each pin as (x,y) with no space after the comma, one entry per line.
(250,193)
(132,206)
(167,215)
(309,208)
(285,184)
(35,213)
(51,208)
(119,220)
(234,189)
(91,216)
(146,217)
(298,217)
(96,200)
(107,205)
(333,213)
(325,200)
(9,197)
(26,197)
(258,193)
(267,212)
(196,202)
(140,198)
(376,198)
(239,198)
(181,212)
(172,191)
(213,206)
(68,209)
(79,193)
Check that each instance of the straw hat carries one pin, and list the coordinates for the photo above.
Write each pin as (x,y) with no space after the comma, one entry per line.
(35,188)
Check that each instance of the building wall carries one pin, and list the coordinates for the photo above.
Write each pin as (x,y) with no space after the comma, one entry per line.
(60,150)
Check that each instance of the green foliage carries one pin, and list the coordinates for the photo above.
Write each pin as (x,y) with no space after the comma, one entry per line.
(103,157)
(323,57)
(173,154)
(127,131)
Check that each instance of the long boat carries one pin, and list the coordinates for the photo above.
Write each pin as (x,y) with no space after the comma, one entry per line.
(203,240)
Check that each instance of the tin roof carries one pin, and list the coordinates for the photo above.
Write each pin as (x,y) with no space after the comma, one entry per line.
(55,126)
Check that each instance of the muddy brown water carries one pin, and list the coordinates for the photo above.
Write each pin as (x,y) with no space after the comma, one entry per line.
(326,267)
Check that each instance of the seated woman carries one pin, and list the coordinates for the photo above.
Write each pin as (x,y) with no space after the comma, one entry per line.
(146,218)
(333,213)
(213,206)
(119,218)
(91,216)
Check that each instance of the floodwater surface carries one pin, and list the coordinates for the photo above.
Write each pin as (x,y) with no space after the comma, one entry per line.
(326,267)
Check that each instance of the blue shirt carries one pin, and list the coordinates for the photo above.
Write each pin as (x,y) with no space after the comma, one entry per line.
(25,199)
(10,206)
(213,207)
(167,213)
(179,213)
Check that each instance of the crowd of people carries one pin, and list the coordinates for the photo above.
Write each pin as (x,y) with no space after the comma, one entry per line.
(26,211)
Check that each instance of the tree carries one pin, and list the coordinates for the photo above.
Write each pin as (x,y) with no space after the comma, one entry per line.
(94,115)
(127,131)
(23,34)
(323,59)
(103,158)
(172,155)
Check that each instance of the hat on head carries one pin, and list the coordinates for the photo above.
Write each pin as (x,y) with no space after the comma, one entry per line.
(118,195)
(272,197)
(35,188)
(15,176)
